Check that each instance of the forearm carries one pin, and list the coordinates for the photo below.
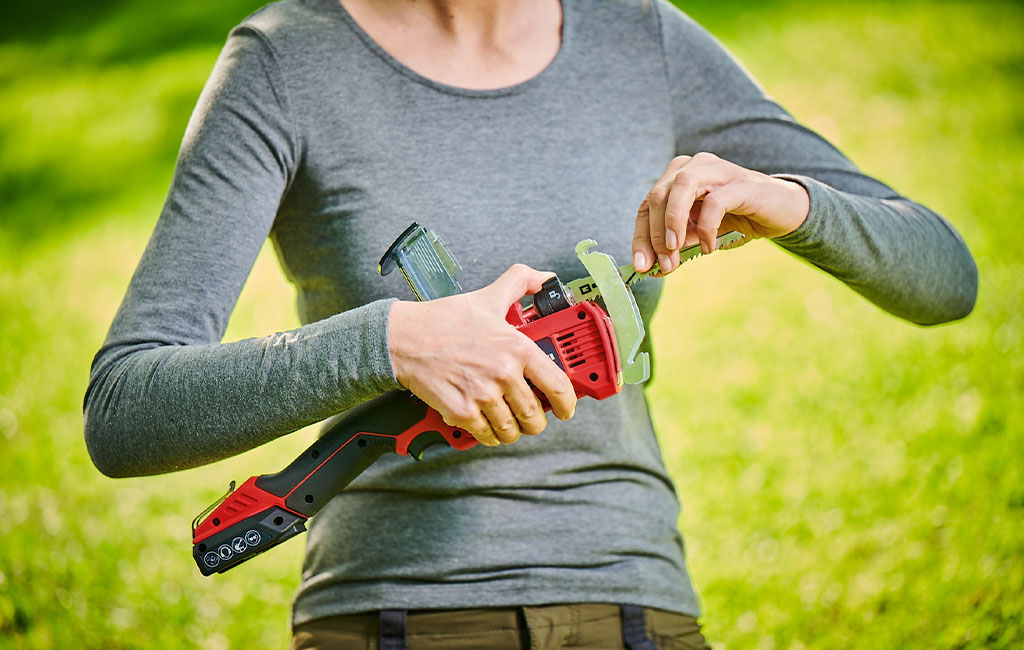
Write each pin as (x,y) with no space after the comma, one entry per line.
(158,408)
(896,253)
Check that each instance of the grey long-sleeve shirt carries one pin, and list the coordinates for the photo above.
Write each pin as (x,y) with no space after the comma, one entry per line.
(311,134)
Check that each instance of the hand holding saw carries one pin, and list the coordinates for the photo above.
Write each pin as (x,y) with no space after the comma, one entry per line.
(591,328)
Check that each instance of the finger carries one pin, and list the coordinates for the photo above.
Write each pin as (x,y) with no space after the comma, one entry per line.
(714,207)
(553,383)
(473,421)
(686,187)
(480,429)
(526,408)
(688,239)
(643,252)
(519,280)
(501,420)
(703,174)
(657,198)
(691,225)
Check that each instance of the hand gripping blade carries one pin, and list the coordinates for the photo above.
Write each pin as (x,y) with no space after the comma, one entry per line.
(621,308)
(586,289)
(731,239)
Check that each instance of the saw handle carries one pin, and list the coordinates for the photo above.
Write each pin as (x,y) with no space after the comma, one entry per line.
(396,422)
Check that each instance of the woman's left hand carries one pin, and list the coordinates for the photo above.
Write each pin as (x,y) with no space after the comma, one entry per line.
(698,197)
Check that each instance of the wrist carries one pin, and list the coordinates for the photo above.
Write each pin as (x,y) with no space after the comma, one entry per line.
(798,207)
(400,317)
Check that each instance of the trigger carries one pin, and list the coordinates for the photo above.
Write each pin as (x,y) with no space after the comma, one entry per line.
(425,440)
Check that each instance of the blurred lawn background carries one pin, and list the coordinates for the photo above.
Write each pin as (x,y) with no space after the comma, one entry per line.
(848,479)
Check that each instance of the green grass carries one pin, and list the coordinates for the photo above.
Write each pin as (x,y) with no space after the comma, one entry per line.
(848,480)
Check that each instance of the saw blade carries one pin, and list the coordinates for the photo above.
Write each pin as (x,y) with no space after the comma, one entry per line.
(621,308)
(586,289)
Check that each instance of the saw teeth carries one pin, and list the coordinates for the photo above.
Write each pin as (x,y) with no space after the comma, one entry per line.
(733,244)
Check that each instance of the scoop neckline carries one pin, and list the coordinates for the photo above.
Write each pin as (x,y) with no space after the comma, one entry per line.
(549,70)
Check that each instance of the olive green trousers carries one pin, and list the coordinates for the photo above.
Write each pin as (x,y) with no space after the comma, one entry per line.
(550,627)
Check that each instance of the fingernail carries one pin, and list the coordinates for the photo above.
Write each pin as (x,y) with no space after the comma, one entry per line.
(571,413)
(670,239)
(704,248)
(639,260)
(664,261)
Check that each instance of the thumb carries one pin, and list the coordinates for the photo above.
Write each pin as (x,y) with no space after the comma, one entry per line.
(519,280)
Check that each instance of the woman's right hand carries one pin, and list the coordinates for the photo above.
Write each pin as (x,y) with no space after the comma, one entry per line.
(461,357)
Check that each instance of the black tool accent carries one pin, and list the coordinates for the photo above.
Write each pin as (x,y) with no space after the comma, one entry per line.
(424,441)
(387,260)
(393,411)
(553,296)
(246,539)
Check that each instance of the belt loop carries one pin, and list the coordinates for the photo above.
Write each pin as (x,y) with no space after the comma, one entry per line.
(634,632)
(392,629)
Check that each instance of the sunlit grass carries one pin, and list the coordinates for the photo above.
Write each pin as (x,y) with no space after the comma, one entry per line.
(848,480)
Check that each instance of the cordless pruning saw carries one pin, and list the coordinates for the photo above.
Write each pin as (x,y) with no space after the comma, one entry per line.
(591,328)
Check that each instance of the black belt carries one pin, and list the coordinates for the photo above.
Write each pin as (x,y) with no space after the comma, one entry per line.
(392,629)
(634,629)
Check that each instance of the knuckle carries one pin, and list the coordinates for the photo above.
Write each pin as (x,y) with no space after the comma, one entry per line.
(533,427)
(504,424)
(713,202)
(478,431)
(564,389)
(683,178)
(531,424)
(708,229)
(505,437)
(529,410)
(508,369)
(486,437)
(484,432)
(658,194)
(643,214)
(524,347)
(464,416)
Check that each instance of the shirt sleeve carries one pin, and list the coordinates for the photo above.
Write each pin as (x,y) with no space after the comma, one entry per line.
(164,394)
(897,253)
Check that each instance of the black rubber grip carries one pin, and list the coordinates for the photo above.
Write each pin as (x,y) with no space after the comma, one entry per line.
(348,447)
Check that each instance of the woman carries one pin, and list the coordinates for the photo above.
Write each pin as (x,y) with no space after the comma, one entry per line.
(514,129)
